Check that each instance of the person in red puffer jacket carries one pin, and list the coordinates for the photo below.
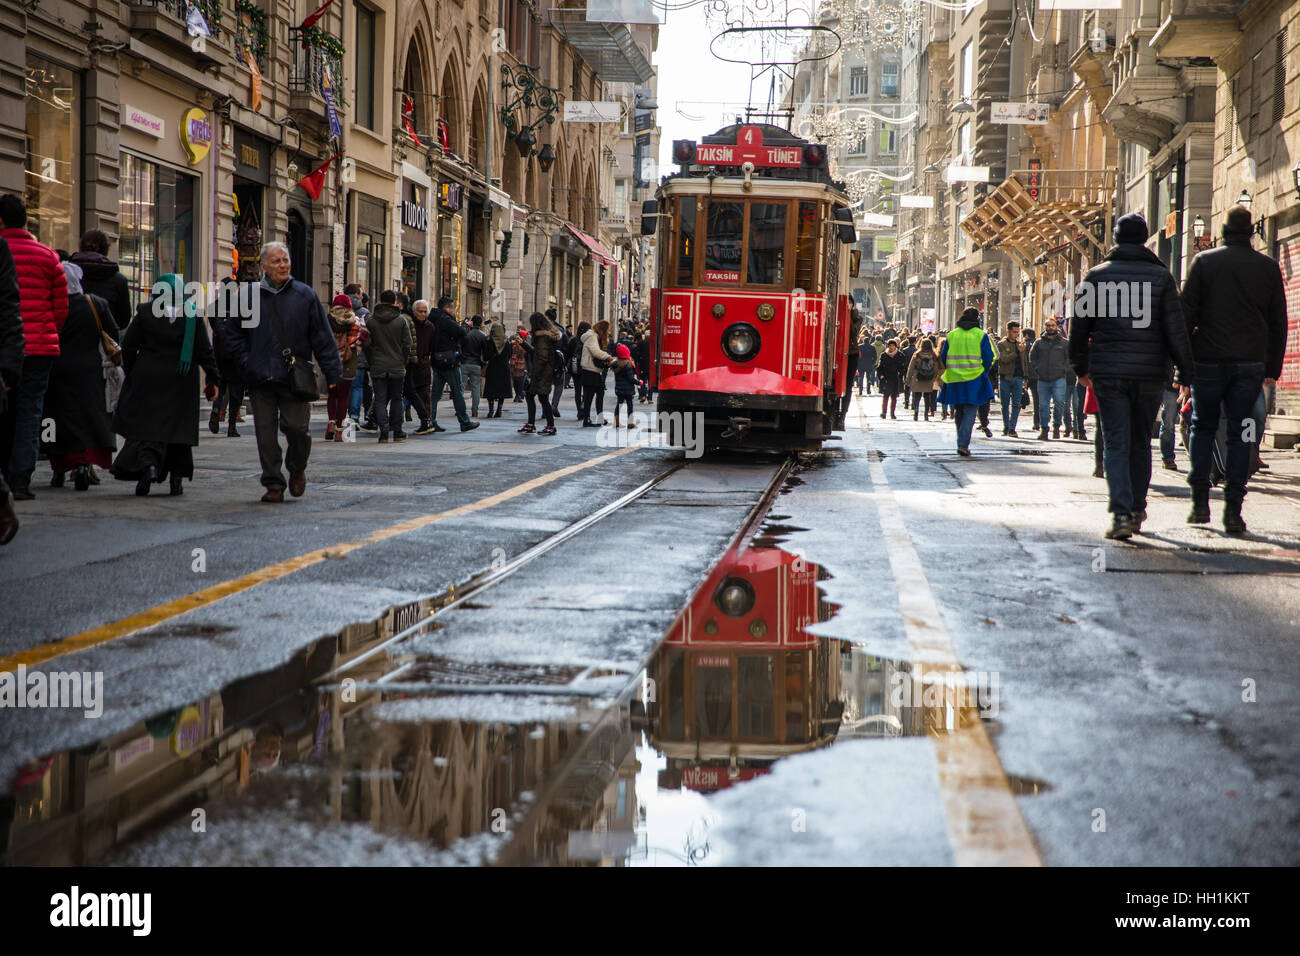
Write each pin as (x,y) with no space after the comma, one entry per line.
(43,301)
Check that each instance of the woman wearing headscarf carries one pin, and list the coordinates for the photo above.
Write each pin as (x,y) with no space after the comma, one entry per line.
(158,412)
(83,429)
(545,337)
(497,383)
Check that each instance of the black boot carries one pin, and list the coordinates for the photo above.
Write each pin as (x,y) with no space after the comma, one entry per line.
(177,487)
(81,478)
(1233,523)
(149,477)
(1200,513)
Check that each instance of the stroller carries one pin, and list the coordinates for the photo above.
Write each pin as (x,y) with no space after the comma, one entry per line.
(1219,451)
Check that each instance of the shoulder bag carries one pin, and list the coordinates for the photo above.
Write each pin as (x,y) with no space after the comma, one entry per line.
(302,374)
(110,360)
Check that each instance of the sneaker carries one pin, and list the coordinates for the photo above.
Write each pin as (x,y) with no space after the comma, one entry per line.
(435,428)
(1121,528)
(548,430)
(468,426)
(588,423)
(1171,464)
(424,429)
(369,428)
(1013,434)
(964,452)
(988,432)
(528,429)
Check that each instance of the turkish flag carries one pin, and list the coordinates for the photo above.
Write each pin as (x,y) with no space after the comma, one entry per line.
(408,113)
(313,183)
(312,18)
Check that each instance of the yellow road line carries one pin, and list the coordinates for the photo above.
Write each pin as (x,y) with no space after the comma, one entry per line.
(163,612)
(985,827)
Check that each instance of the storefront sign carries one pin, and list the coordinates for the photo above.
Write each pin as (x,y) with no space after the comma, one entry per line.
(449,196)
(129,753)
(474,276)
(143,122)
(415,213)
(587,111)
(189,732)
(966,174)
(1021,114)
(196,134)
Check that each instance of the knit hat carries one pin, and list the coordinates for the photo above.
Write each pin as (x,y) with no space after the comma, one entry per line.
(1237,221)
(342,301)
(1131,228)
(623,352)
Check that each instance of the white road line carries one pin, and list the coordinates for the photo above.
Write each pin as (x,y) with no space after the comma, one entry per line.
(985,827)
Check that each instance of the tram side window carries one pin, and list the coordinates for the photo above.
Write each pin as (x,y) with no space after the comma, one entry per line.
(722,241)
(686,242)
(807,251)
(766,243)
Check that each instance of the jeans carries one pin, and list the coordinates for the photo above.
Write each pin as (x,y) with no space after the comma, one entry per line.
(358,390)
(1080,399)
(1009,391)
(388,402)
(557,388)
(1128,410)
(1237,386)
(449,377)
(547,410)
(27,402)
(1051,398)
(965,420)
(862,374)
(472,372)
(275,410)
(1169,406)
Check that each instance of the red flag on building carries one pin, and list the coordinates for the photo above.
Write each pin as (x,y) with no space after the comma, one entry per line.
(312,18)
(313,183)
(408,119)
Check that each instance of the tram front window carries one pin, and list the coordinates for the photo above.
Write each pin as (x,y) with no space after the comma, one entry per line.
(723,241)
(713,701)
(766,243)
(686,242)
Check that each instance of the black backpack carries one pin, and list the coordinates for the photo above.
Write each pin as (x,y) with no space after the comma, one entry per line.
(925,369)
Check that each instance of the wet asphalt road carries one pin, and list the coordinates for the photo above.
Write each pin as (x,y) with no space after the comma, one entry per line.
(1120,691)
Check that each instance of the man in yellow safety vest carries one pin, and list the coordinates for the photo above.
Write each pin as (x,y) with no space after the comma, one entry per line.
(967,355)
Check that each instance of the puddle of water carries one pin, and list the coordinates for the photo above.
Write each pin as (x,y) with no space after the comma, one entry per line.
(436,753)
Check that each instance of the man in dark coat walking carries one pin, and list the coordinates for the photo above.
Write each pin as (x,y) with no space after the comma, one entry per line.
(448,337)
(1235,307)
(291,318)
(1127,324)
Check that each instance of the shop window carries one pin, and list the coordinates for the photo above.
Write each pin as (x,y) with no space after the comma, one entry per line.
(53,103)
(157,217)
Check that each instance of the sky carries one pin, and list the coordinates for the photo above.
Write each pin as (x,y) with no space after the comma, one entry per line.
(698,93)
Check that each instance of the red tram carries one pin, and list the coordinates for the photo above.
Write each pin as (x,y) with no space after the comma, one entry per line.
(750,309)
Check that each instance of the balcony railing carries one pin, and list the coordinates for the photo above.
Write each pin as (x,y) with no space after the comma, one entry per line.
(313,51)
(250,32)
(211,10)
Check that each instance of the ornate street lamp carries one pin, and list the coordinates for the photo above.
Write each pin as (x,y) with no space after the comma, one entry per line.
(546,158)
(1198,226)
(525,92)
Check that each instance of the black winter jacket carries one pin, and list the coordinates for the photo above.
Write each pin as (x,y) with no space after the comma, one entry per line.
(101,277)
(448,336)
(1114,338)
(12,341)
(1235,306)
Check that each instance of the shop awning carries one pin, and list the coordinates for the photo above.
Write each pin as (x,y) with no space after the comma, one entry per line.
(598,252)
(1061,208)
(607,47)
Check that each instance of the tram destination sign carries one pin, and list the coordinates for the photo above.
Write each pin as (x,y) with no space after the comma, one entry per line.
(748,148)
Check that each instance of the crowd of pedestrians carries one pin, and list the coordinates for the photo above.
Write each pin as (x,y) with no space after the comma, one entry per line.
(1142,357)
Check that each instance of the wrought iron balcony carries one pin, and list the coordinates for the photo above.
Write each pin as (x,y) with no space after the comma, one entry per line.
(314,51)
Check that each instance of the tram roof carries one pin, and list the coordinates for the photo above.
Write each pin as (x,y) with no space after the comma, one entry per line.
(773,136)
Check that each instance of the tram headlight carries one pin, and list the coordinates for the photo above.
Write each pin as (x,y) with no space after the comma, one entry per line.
(741,342)
(735,597)
(765,311)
